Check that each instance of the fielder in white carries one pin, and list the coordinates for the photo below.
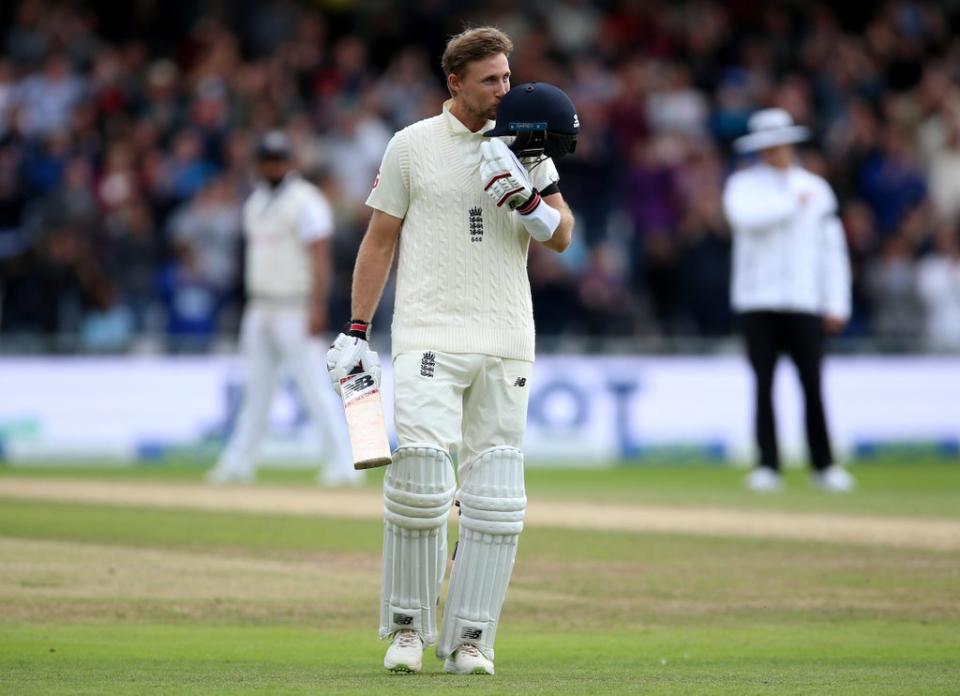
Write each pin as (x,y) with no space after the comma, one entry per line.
(463,209)
(288,225)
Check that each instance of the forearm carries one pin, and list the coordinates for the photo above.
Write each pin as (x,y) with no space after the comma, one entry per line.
(563,235)
(371,271)
(750,213)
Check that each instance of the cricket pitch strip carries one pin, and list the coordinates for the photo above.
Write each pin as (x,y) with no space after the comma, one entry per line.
(899,532)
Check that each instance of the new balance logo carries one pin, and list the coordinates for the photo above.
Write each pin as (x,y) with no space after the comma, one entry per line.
(470,633)
(521,382)
(402,619)
(428,364)
(476,224)
(357,384)
(576,121)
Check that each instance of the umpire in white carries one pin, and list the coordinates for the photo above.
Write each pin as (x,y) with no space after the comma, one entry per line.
(462,209)
(287,225)
(791,283)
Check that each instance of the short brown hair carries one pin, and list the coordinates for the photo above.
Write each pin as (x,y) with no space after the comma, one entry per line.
(473,44)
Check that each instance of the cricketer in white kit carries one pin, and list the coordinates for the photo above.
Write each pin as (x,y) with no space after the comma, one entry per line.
(459,209)
(288,224)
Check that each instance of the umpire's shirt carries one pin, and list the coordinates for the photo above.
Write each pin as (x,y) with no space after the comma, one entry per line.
(790,254)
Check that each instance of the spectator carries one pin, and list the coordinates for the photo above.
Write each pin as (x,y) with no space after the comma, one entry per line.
(154,121)
(7,96)
(945,172)
(191,303)
(891,181)
(895,312)
(206,230)
(108,324)
(938,285)
(48,98)
(188,170)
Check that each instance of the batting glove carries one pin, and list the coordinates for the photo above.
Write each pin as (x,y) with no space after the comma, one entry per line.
(506,181)
(349,353)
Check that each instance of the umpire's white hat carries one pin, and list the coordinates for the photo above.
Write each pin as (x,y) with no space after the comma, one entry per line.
(770,128)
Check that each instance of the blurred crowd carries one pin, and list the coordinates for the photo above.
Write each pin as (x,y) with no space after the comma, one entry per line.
(126,141)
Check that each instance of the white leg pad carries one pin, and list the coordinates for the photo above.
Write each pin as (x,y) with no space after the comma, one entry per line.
(492,505)
(418,490)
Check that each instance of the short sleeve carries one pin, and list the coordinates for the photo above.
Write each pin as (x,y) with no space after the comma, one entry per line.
(390,192)
(316,218)
(544,176)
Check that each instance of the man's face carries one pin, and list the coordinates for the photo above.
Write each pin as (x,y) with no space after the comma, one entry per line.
(273,169)
(483,85)
(780,156)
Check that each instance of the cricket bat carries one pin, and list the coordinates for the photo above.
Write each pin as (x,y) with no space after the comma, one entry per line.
(367,431)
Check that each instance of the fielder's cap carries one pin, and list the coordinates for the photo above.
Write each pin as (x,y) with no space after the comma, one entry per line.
(770,128)
(274,145)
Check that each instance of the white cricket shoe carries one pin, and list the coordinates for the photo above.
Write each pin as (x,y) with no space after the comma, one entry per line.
(405,653)
(763,479)
(467,659)
(834,479)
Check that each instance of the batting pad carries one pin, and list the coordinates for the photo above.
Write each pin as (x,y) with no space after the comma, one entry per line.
(492,504)
(417,493)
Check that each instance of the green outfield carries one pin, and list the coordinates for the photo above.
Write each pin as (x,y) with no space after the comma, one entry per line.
(116,597)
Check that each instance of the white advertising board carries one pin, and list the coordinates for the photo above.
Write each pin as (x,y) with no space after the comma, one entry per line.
(583,410)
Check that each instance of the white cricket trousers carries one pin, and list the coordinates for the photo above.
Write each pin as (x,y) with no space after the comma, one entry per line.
(463,403)
(275,336)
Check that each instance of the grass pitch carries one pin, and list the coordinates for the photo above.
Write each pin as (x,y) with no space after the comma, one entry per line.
(124,599)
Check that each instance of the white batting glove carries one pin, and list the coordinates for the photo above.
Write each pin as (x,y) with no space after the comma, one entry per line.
(348,353)
(504,178)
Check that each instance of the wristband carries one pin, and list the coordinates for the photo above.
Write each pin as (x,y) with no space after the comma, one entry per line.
(542,220)
(527,207)
(358,328)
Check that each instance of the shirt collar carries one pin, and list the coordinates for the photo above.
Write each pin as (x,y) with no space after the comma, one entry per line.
(776,171)
(456,127)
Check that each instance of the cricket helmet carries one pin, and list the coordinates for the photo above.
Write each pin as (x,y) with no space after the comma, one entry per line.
(540,118)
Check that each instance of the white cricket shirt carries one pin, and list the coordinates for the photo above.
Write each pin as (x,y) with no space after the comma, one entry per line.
(789,248)
(462,283)
(279,224)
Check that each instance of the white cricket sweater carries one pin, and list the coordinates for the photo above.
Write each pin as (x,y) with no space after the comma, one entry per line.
(789,248)
(462,283)
(279,224)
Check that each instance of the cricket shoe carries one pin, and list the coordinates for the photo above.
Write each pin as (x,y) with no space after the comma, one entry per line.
(467,659)
(763,479)
(405,653)
(834,479)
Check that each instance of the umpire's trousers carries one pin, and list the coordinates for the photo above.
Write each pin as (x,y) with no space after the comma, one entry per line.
(799,335)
